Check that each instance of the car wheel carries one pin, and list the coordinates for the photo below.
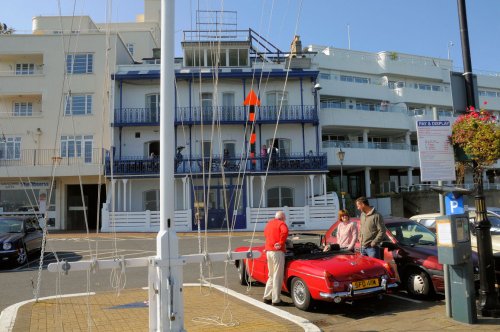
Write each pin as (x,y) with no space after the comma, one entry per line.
(418,284)
(300,294)
(242,273)
(22,256)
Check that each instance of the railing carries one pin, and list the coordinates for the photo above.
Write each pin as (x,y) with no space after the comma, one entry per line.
(225,114)
(10,114)
(469,186)
(366,107)
(369,145)
(49,157)
(218,164)
(23,73)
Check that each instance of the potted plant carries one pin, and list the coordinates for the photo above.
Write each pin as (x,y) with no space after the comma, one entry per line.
(476,134)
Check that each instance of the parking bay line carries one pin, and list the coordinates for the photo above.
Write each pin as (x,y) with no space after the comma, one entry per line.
(404,298)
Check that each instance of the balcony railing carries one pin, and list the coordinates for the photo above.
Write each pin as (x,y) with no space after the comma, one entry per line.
(370,145)
(49,157)
(223,114)
(217,164)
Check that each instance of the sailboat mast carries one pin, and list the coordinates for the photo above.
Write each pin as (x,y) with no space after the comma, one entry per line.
(170,304)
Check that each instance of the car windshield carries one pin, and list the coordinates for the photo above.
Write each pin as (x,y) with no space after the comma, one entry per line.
(495,221)
(412,233)
(11,226)
(310,246)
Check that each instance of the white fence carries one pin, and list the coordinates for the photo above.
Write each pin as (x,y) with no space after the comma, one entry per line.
(319,216)
(298,218)
(142,221)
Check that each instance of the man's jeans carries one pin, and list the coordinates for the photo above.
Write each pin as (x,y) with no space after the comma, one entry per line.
(371,252)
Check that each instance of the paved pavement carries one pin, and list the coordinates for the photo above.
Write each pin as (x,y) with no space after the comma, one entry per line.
(207,309)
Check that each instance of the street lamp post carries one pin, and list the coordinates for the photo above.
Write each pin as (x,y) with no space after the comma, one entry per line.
(450,44)
(341,156)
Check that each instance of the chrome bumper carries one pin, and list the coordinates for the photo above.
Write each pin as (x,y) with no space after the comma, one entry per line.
(352,293)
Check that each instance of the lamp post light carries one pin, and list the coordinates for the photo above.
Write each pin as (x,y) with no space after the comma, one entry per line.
(450,45)
(341,156)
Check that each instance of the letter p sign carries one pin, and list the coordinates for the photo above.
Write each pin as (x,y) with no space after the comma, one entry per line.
(454,204)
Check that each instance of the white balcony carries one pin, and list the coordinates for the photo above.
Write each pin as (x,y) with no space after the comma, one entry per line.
(391,155)
(374,90)
(397,119)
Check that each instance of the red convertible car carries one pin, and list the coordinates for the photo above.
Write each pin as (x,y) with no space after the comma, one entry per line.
(312,274)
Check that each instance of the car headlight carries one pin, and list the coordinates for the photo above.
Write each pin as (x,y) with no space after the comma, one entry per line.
(7,246)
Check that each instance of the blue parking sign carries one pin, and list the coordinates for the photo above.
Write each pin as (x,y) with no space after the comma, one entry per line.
(454,204)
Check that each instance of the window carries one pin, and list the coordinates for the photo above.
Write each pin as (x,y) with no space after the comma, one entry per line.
(206,147)
(327,137)
(238,57)
(10,148)
(193,58)
(228,106)
(206,105)
(277,98)
(280,196)
(23,109)
(25,69)
(354,79)
(79,63)
(130,48)
(74,146)
(334,103)
(282,144)
(151,200)
(78,104)
(153,107)
(325,76)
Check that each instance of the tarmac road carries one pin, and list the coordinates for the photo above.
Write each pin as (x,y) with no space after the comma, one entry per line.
(21,281)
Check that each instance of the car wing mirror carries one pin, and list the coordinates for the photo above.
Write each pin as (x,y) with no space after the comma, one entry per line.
(30,229)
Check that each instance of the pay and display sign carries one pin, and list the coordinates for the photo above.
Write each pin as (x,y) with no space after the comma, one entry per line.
(437,161)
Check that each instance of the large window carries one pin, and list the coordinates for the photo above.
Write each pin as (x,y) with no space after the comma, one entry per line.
(234,57)
(76,146)
(206,105)
(280,196)
(78,104)
(151,200)
(277,98)
(282,144)
(153,106)
(22,109)
(80,63)
(10,148)
(354,79)
(25,69)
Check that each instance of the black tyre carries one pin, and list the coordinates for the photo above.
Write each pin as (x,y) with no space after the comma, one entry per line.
(22,256)
(300,294)
(242,273)
(418,284)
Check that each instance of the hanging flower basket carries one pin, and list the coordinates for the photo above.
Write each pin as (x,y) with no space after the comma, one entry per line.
(476,137)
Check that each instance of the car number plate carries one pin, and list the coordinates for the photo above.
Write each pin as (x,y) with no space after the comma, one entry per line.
(362,284)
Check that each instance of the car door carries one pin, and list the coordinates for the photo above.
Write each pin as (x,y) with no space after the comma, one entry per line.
(32,238)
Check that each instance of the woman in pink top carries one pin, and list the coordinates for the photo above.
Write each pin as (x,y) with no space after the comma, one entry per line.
(347,232)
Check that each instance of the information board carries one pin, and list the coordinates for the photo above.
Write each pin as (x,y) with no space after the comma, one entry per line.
(437,161)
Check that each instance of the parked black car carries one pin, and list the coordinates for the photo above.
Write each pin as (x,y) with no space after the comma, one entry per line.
(19,237)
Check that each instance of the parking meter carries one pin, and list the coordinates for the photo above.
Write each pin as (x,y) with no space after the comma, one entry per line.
(454,249)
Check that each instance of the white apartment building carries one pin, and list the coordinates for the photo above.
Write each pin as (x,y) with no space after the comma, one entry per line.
(370,103)
(54,113)
(222,180)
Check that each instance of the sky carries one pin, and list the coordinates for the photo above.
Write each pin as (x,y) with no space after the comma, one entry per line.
(423,27)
